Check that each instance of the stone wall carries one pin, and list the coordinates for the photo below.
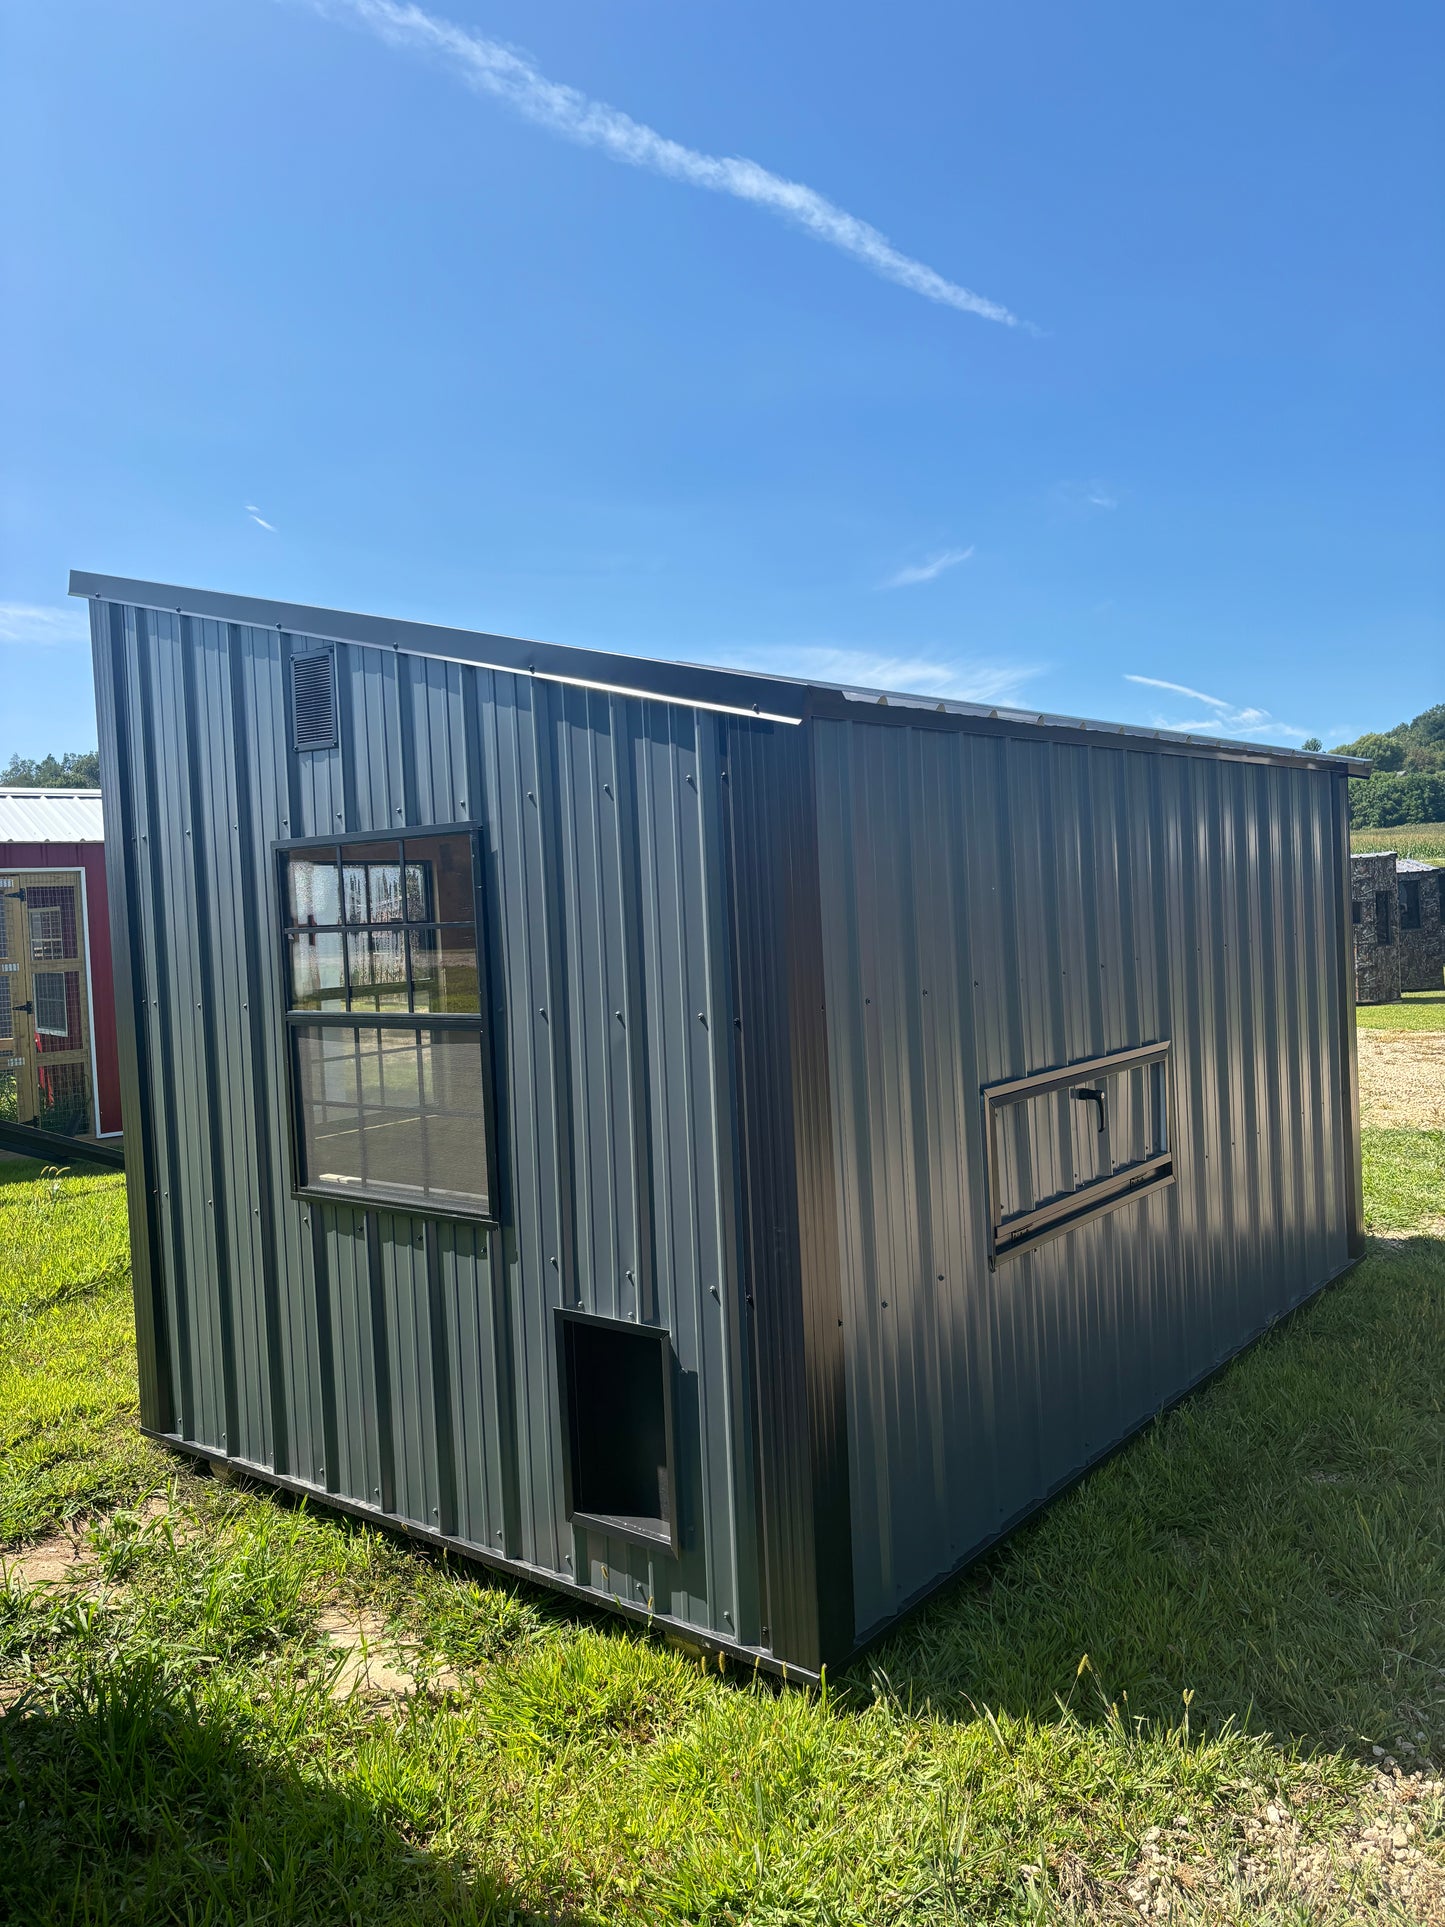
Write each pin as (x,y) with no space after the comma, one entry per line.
(1375,910)
(1422,951)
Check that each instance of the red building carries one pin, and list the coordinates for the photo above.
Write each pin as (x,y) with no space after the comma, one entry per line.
(58,1065)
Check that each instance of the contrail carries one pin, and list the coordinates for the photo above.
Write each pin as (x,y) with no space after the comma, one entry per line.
(493,69)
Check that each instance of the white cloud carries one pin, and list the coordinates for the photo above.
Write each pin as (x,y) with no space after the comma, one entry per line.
(1179,689)
(1081,497)
(967,680)
(256,516)
(41,625)
(489,67)
(1225,718)
(928,571)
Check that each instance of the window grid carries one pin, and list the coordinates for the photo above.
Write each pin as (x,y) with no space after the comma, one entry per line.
(56,904)
(52,1036)
(398,979)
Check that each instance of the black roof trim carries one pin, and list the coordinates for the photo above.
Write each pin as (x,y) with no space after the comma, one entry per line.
(736,691)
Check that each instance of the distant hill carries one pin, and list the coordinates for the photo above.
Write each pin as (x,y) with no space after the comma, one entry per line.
(1408,785)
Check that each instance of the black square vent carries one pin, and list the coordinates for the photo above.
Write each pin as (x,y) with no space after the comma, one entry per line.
(620,1457)
(313,700)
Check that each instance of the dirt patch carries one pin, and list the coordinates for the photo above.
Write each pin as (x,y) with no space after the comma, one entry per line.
(1378,1867)
(1402,1079)
(371,1663)
(55,1561)
(67,1556)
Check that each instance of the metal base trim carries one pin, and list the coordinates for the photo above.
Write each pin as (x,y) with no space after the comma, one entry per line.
(754,1658)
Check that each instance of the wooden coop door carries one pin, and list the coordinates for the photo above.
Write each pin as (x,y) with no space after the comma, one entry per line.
(45,1075)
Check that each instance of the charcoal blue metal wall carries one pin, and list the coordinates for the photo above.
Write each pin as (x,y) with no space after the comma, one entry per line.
(402,1365)
(755,950)
(994,906)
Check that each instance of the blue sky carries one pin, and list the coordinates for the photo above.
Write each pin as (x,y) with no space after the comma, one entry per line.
(336,305)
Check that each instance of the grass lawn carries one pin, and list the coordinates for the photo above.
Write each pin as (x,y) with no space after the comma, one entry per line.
(1423,841)
(1206,1685)
(1416,1010)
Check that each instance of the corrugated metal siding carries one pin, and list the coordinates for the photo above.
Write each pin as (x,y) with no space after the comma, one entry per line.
(51,816)
(393,1363)
(994,907)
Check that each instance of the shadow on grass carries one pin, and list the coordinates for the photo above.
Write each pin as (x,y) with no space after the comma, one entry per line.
(1274,1548)
(132,1798)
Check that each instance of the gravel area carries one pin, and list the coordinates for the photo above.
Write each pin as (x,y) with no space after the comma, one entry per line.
(1402,1078)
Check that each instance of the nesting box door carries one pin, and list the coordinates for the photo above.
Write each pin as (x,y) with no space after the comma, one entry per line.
(45,1018)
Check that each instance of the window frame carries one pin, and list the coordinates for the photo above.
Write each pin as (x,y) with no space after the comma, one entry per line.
(477,1022)
(1384,921)
(1029,1229)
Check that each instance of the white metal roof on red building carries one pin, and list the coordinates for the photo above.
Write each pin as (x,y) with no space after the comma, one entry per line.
(50,816)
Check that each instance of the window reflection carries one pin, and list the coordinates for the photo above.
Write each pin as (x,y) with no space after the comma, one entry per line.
(314,894)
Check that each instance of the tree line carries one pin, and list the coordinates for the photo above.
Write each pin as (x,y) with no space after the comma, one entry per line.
(77,769)
(1408,781)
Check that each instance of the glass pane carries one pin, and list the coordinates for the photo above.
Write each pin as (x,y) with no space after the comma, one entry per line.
(394,1116)
(439,879)
(353,892)
(52,920)
(378,969)
(371,874)
(47,941)
(318,977)
(48,992)
(312,888)
(444,969)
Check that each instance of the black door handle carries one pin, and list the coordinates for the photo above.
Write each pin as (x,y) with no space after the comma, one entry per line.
(1082,1096)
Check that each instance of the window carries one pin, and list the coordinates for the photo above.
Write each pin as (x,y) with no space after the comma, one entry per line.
(388,1052)
(1065,1145)
(616,1389)
(1382,918)
(51,907)
(47,943)
(56,1034)
(1409,903)
(51,1015)
(1357,914)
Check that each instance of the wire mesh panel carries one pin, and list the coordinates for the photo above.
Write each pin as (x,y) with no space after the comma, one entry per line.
(50,908)
(64,1098)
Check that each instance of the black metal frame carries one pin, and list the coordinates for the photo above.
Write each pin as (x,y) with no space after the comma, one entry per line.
(479,1024)
(564,1319)
(1092,1200)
